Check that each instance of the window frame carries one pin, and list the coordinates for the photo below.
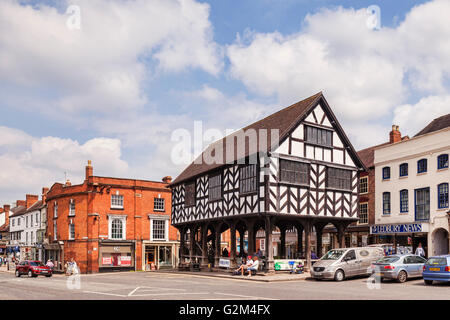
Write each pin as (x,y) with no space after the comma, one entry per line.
(255,177)
(424,160)
(386,213)
(194,196)
(123,220)
(220,187)
(327,178)
(72,211)
(316,142)
(118,203)
(402,165)
(71,225)
(407,200)
(308,172)
(383,173)
(446,197)
(415,204)
(360,213)
(55,209)
(156,207)
(441,156)
(166,230)
(367,184)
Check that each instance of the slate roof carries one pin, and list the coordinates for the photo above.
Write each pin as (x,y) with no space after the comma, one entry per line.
(435,125)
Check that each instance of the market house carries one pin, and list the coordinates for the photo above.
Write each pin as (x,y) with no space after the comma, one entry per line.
(305,179)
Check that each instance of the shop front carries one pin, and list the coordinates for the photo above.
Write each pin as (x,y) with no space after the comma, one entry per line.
(55,252)
(404,238)
(159,255)
(116,256)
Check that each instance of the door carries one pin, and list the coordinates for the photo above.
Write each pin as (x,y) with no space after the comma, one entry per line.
(419,262)
(350,264)
(365,261)
(410,266)
(151,255)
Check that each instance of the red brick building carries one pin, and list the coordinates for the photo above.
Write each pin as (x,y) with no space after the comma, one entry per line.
(108,224)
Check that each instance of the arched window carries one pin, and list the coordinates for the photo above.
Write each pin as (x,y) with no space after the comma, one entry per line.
(443,195)
(116,229)
(404,201)
(386,173)
(442,161)
(422,165)
(403,170)
(386,203)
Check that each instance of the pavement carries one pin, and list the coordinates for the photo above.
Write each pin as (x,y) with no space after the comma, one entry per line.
(190,286)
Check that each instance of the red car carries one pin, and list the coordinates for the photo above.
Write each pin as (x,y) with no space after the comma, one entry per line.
(33,269)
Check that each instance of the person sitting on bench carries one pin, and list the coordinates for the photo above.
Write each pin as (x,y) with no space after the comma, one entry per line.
(245,266)
(254,266)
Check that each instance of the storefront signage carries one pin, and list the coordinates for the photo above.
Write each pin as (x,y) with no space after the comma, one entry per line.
(224,263)
(125,261)
(397,228)
(106,260)
(284,264)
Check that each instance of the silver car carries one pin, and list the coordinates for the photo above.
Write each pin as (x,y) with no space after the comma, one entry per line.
(399,267)
(339,264)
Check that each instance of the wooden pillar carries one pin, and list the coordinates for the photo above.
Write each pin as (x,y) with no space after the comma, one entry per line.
(217,245)
(233,244)
(341,235)
(299,240)
(204,245)
(283,242)
(251,238)
(241,242)
(307,227)
(269,245)
(191,244)
(319,235)
(182,236)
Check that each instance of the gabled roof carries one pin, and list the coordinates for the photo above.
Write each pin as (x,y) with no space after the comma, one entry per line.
(18,211)
(284,120)
(36,206)
(435,125)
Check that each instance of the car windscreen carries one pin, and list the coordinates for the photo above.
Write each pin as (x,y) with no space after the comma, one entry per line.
(36,264)
(389,259)
(333,255)
(437,262)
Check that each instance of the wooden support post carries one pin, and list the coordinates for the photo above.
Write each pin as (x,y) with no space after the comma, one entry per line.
(233,245)
(307,227)
(182,244)
(217,245)
(299,240)
(319,235)
(191,244)
(241,242)
(204,245)
(283,242)
(341,235)
(251,238)
(270,266)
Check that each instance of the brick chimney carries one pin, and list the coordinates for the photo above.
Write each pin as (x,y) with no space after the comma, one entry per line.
(6,208)
(22,203)
(44,195)
(89,170)
(167,179)
(395,135)
(31,199)
(68,183)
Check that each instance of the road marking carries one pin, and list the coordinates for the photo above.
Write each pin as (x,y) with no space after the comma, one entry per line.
(106,293)
(243,296)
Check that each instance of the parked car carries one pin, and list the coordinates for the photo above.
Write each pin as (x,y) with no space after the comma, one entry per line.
(33,269)
(437,269)
(400,267)
(339,264)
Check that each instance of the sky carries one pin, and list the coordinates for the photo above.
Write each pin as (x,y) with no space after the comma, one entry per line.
(112,80)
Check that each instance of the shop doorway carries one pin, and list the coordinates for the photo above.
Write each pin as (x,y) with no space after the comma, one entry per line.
(150,253)
(420,238)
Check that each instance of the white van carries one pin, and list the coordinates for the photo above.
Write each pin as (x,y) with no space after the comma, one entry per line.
(339,264)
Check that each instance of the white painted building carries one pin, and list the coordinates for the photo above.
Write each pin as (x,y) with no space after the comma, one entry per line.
(411,190)
(34,220)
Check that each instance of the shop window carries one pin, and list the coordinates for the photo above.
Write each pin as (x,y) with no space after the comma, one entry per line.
(442,161)
(158,204)
(386,173)
(215,187)
(294,172)
(189,198)
(339,179)
(422,207)
(363,185)
(422,166)
(159,229)
(404,201)
(116,201)
(443,195)
(403,170)
(363,213)
(248,179)
(165,256)
(386,203)
(72,207)
(318,136)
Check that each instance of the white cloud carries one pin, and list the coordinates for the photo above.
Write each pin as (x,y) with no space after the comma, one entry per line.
(413,118)
(37,162)
(102,67)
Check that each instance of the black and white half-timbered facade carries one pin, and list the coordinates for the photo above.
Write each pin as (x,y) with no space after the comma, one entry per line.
(303,176)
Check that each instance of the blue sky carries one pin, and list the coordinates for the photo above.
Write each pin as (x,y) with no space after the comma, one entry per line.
(115,90)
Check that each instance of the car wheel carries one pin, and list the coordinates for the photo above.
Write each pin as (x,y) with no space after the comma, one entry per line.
(428,282)
(30,274)
(339,275)
(48,276)
(402,277)
(17,273)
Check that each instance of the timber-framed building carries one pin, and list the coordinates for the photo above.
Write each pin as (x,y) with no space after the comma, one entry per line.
(304,178)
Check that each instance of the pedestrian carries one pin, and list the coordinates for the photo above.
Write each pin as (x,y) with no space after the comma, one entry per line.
(259,253)
(74,266)
(225,252)
(420,251)
(50,264)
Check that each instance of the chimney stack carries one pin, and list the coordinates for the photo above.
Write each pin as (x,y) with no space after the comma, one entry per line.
(31,199)
(395,135)
(68,183)
(44,195)
(6,208)
(22,203)
(89,170)
(167,179)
